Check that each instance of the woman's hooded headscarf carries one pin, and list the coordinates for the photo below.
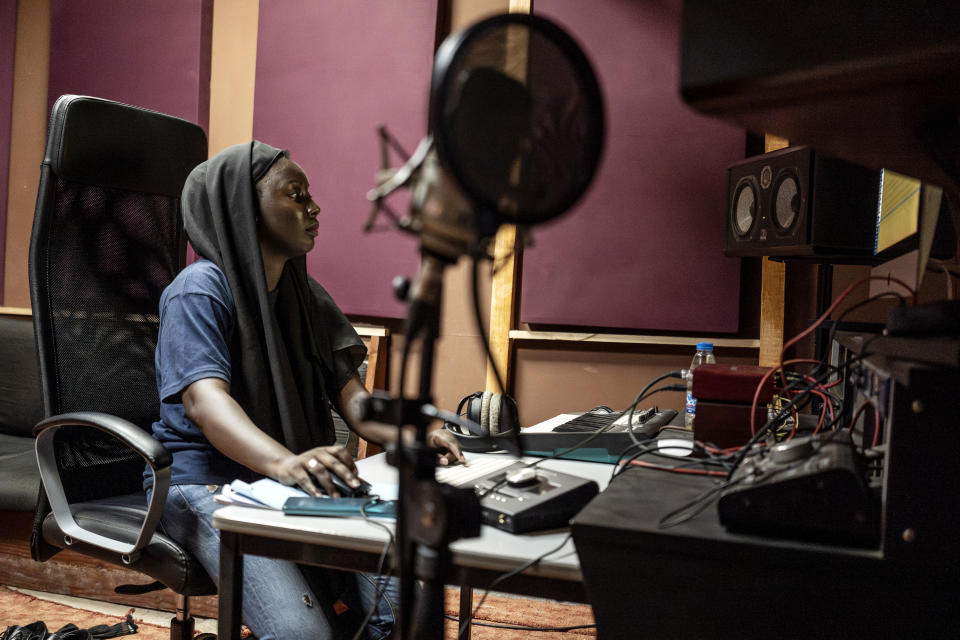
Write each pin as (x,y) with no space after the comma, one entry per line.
(289,361)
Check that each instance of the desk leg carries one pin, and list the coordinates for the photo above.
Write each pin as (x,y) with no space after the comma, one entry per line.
(230,588)
(466,611)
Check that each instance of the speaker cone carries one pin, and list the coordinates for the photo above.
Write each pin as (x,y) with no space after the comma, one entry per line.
(786,201)
(744,207)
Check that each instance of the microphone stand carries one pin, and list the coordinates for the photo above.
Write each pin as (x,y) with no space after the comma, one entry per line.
(430,514)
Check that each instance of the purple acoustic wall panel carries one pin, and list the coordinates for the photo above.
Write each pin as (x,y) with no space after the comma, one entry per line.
(642,249)
(151,53)
(327,74)
(8,36)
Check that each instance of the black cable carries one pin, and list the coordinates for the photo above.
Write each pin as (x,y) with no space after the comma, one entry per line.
(475,279)
(769,426)
(696,506)
(836,323)
(844,405)
(721,462)
(784,411)
(839,404)
(795,380)
(835,401)
(640,396)
(644,448)
(782,414)
(496,485)
(380,580)
(862,303)
(517,627)
(725,462)
(506,576)
(838,418)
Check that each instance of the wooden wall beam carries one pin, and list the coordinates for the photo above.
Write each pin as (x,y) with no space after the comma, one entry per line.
(772,292)
(503,287)
(503,303)
(233,70)
(28,137)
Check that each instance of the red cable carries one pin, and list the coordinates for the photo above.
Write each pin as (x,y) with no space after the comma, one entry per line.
(837,300)
(813,327)
(876,425)
(856,415)
(756,394)
(823,412)
(820,390)
(696,472)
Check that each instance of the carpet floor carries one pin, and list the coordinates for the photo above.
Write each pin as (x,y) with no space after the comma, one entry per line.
(18,608)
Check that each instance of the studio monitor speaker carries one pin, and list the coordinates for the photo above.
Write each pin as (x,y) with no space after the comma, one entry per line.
(796,202)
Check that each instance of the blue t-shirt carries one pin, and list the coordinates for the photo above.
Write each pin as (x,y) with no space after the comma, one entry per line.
(196,326)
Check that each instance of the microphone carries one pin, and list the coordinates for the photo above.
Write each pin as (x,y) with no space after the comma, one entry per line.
(439,213)
(488,119)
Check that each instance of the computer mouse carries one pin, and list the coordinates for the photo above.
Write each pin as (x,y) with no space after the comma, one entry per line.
(350,492)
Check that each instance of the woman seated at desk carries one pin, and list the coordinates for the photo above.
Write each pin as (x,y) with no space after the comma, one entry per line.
(251,353)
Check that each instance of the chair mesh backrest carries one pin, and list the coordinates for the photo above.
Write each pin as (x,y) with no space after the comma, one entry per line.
(110,253)
(104,247)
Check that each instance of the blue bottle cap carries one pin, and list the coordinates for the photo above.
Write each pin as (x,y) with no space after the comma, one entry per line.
(704,346)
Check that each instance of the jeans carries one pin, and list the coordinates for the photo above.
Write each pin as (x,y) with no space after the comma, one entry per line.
(282,600)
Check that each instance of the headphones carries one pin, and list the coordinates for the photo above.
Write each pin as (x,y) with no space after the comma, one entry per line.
(495,413)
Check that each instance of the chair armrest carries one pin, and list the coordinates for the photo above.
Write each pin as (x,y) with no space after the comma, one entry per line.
(153,453)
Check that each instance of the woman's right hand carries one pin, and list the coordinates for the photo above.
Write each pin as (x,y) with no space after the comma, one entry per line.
(314,467)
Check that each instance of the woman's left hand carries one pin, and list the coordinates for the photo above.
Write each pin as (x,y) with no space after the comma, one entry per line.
(448,449)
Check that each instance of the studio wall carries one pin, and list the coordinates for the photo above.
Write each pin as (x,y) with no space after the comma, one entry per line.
(150,53)
(643,248)
(324,82)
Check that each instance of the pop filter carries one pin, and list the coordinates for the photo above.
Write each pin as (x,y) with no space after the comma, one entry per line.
(517,118)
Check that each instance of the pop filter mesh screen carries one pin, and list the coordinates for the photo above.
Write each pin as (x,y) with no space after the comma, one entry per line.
(518,118)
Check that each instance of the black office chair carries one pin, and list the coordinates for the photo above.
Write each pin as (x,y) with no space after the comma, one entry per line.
(107,239)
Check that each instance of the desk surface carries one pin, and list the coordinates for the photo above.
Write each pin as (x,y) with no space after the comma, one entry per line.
(494,550)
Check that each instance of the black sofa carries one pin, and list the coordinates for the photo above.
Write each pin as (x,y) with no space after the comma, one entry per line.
(21,407)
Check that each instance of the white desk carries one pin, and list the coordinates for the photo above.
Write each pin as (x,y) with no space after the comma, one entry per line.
(354,544)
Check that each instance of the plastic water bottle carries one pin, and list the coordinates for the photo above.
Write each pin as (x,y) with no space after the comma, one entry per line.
(704,355)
